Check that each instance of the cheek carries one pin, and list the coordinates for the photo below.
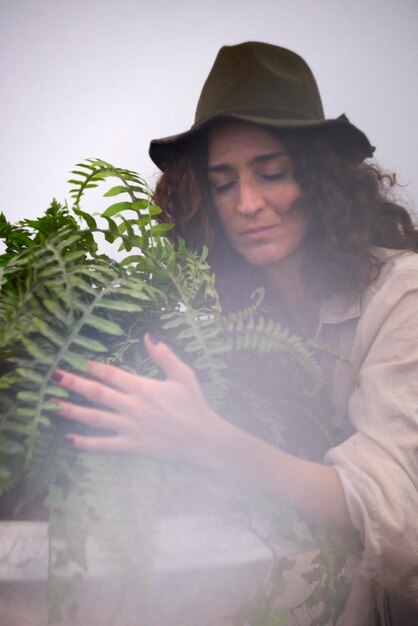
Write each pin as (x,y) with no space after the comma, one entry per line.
(223,216)
(295,234)
(302,227)
(287,200)
(222,227)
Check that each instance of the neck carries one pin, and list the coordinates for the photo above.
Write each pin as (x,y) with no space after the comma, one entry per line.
(286,280)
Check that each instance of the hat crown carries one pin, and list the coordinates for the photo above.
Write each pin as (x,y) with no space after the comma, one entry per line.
(260,78)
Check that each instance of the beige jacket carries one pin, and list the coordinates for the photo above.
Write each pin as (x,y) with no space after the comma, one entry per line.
(378,462)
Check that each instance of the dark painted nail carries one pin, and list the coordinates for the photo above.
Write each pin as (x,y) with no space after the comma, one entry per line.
(56,377)
(153,339)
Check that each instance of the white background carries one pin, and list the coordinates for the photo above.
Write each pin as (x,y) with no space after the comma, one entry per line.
(82,78)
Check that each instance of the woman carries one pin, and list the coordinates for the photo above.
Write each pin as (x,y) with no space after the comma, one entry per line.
(281,193)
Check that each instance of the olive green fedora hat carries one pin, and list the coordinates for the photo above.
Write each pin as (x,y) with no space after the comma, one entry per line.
(267,85)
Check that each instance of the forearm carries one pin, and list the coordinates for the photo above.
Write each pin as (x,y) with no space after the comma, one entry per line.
(313,489)
(170,419)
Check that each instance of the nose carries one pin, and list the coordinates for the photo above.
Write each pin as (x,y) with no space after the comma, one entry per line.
(251,199)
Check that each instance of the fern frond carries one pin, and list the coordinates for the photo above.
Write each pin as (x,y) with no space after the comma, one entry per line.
(62,303)
(89,179)
(270,336)
(249,311)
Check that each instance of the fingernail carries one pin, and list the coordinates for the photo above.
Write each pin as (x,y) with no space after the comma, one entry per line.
(56,377)
(153,339)
(69,440)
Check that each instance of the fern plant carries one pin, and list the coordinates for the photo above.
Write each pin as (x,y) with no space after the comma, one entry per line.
(63,302)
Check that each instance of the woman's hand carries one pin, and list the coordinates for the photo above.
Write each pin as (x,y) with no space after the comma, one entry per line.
(167,419)
(171,420)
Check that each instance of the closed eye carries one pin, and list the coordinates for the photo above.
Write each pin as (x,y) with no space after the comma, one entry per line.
(273,177)
(222,188)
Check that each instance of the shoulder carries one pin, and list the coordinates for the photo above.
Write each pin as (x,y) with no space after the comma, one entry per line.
(398,274)
(397,258)
(389,307)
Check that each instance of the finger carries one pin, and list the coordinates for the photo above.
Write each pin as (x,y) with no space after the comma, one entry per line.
(94,418)
(174,368)
(100,444)
(115,376)
(93,390)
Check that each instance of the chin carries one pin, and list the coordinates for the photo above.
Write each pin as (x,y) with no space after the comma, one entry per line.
(264,260)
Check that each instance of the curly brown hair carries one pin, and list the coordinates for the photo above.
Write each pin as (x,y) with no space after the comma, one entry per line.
(351,204)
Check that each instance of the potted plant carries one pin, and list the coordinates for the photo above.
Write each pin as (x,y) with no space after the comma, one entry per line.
(62,302)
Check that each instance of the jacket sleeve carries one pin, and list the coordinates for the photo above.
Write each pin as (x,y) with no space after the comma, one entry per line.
(378,465)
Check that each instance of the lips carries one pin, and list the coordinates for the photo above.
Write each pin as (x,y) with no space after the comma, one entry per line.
(257,232)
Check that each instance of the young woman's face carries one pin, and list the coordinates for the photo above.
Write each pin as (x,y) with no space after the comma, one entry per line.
(253,191)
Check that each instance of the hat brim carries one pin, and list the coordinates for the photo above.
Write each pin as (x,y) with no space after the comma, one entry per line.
(347,138)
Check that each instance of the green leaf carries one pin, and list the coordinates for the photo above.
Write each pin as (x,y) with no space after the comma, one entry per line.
(154,210)
(67,239)
(83,286)
(11,447)
(141,188)
(92,345)
(174,322)
(87,166)
(161,229)
(74,256)
(59,392)
(141,205)
(132,258)
(25,412)
(30,374)
(105,326)
(17,427)
(28,396)
(90,221)
(35,351)
(114,209)
(134,292)
(127,225)
(145,206)
(54,307)
(78,172)
(47,331)
(49,271)
(119,305)
(115,191)
(110,237)
(113,227)
(75,361)
(47,406)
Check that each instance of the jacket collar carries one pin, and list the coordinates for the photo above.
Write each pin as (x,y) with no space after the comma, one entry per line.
(340,308)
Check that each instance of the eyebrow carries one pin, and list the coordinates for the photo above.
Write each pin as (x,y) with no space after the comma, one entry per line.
(261,158)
